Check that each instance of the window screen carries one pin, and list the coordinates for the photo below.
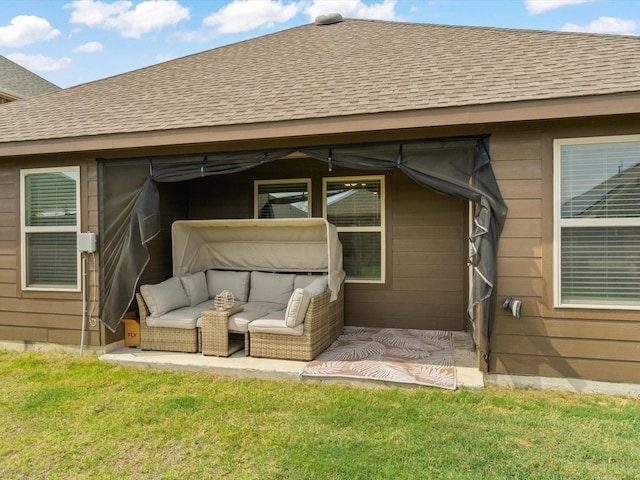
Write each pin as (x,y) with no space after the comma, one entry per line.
(50,223)
(282,199)
(355,206)
(599,224)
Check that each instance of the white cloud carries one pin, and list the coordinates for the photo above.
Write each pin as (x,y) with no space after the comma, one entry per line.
(384,10)
(163,57)
(245,15)
(534,7)
(40,63)
(89,47)
(132,23)
(603,25)
(25,30)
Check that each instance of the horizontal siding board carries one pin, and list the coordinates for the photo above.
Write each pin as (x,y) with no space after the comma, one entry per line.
(522,228)
(8,276)
(520,146)
(428,297)
(42,320)
(26,334)
(442,271)
(517,169)
(433,284)
(42,305)
(426,245)
(427,258)
(453,232)
(524,208)
(599,370)
(436,323)
(7,261)
(520,189)
(441,219)
(520,247)
(72,337)
(519,287)
(566,347)
(595,330)
(405,310)
(7,290)
(520,267)
(8,233)
(7,219)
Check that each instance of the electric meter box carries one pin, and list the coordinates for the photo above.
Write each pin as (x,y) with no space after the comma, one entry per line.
(87,242)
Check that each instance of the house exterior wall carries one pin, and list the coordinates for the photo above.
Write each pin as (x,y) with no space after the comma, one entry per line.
(426,237)
(426,247)
(595,344)
(38,316)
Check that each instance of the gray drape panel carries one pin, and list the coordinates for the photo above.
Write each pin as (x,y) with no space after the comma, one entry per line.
(130,208)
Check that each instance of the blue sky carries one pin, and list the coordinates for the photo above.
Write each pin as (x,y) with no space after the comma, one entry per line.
(70,42)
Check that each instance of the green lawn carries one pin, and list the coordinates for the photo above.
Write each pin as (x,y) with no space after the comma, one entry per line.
(65,417)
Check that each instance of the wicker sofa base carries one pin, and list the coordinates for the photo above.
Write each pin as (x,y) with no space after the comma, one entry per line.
(305,347)
(165,338)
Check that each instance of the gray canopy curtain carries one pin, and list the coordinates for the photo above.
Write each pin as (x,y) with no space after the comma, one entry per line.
(130,207)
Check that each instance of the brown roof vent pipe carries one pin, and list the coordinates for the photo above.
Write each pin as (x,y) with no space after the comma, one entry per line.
(329,19)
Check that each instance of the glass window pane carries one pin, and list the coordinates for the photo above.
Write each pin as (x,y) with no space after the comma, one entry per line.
(52,259)
(600,180)
(361,255)
(354,203)
(600,264)
(283,200)
(50,199)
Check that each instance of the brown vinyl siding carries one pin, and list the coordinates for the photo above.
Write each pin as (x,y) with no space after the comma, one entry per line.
(596,344)
(35,316)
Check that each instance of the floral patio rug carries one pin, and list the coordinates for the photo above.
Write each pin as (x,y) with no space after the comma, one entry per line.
(422,357)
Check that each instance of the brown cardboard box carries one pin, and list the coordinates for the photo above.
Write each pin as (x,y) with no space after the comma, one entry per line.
(131,332)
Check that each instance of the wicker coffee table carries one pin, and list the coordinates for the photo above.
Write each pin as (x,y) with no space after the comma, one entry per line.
(216,334)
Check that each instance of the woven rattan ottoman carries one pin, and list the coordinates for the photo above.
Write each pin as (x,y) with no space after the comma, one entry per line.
(215,333)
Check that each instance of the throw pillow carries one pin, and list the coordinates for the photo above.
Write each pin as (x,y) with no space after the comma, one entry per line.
(165,296)
(297,307)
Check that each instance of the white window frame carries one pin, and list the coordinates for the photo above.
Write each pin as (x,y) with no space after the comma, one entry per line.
(257,183)
(559,222)
(24,229)
(381,229)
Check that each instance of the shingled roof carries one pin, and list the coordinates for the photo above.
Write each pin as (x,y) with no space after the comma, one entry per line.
(17,82)
(348,68)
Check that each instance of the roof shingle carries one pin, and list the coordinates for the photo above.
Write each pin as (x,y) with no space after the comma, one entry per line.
(348,68)
(19,82)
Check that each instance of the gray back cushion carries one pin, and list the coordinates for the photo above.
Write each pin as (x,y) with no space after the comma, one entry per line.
(165,296)
(271,287)
(236,282)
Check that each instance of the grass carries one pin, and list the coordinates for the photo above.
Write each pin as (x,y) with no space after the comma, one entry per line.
(63,417)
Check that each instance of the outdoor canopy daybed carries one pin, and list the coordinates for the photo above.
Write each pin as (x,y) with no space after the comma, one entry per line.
(267,252)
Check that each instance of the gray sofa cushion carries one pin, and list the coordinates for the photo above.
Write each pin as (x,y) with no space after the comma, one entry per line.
(185,317)
(236,282)
(302,280)
(164,296)
(274,323)
(195,286)
(271,287)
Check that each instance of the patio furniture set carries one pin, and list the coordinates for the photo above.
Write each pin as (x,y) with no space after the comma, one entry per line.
(285,278)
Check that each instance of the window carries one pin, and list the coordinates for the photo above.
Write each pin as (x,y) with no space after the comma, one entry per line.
(355,205)
(282,198)
(597,227)
(50,207)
